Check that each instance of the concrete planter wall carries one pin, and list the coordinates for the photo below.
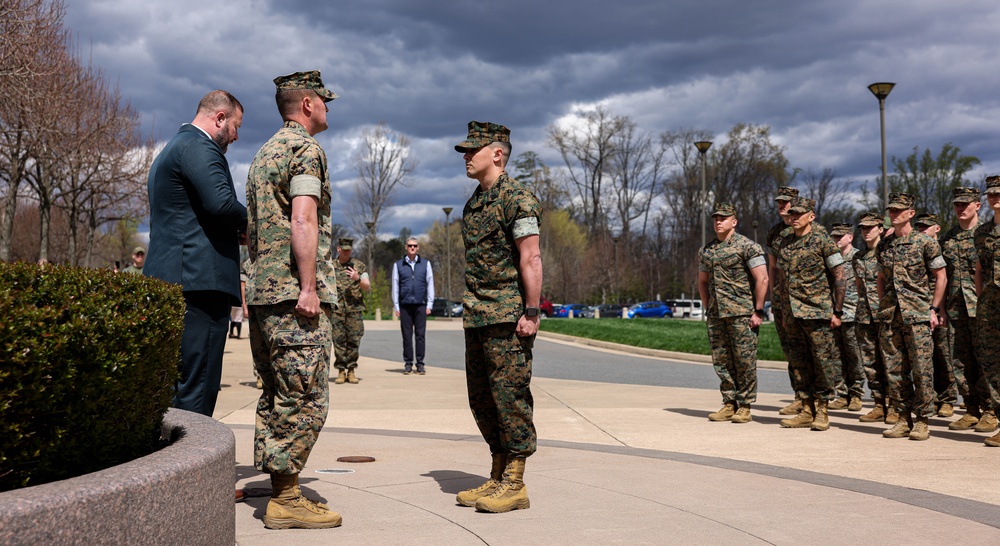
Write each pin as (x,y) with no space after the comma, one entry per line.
(182,494)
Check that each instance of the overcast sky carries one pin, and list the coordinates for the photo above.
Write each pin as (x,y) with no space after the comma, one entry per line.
(426,68)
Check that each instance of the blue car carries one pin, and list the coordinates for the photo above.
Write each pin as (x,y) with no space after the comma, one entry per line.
(579,311)
(650,309)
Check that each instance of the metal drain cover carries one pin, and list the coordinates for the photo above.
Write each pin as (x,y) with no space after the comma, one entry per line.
(356,459)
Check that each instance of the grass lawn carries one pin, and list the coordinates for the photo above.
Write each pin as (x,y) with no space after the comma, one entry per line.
(685,336)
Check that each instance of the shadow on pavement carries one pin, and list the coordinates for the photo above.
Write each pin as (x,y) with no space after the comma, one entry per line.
(454,481)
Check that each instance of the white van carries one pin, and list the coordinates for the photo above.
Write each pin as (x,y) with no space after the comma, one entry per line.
(685,308)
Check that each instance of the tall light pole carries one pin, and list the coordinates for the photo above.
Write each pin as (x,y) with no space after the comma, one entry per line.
(881,91)
(703,146)
(447,242)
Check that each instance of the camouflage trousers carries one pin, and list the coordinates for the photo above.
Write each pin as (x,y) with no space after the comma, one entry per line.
(852,378)
(871,358)
(969,378)
(734,355)
(498,375)
(987,346)
(291,353)
(813,358)
(945,387)
(907,350)
(348,327)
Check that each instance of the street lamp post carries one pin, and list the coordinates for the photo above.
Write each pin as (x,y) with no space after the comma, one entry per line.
(703,146)
(881,91)
(447,239)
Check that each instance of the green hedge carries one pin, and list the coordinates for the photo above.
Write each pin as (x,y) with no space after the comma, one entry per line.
(88,361)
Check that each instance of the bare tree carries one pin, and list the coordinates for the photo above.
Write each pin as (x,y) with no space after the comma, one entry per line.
(383,163)
(830,194)
(636,168)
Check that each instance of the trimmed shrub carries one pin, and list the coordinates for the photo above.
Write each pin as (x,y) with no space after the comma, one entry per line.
(88,362)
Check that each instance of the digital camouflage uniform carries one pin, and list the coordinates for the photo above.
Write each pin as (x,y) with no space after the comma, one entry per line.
(865,268)
(945,386)
(959,250)
(497,361)
(808,264)
(987,239)
(291,352)
(779,298)
(907,344)
(348,323)
(852,381)
(731,303)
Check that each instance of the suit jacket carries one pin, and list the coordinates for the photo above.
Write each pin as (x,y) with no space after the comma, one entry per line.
(195,218)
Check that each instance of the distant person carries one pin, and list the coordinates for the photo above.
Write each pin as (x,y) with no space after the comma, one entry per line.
(348,323)
(866,318)
(291,295)
(851,385)
(503,280)
(986,237)
(779,295)
(138,260)
(412,300)
(732,281)
(195,222)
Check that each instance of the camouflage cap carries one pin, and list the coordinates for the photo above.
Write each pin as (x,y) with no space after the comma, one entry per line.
(482,133)
(965,195)
(870,219)
(802,205)
(927,219)
(139,250)
(900,201)
(346,243)
(305,80)
(992,184)
(724,209)
(840,229)
(786,193)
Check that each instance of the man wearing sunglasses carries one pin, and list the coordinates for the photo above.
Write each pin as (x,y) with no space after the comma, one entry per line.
(412,299)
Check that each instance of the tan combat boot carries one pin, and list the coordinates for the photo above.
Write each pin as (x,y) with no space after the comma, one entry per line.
(901,429)
(351,378)
(854,404)
(967,421)
(920,430)
(839,403)
(288,509)
(341,377)
(804,419)
(724,414)
(891,415)
(946,410)
(470,496)
(988,422)
(742,415)
(821,421)
(791,409)
(876,414)
(993,441)
(511,494)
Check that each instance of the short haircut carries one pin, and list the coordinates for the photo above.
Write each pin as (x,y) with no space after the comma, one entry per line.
(505,146)
(414,239)
(288,99)
(219,100)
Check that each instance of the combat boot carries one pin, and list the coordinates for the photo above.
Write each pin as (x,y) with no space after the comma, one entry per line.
(511,494)
(791,409)
(901,429)
(821,421)
(341,377)
(876,414)
(946,410)
(891,415)
(920,430)
(839,403)
(742,415)
(988,422)
(804,419)
(725,413)
(289,509)
(351,378)
(993,441)
(967,421)
(470,496)
(854,404)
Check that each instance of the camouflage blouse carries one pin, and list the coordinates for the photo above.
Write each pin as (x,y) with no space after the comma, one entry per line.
(352,298)
(730,283)
(987,243)
(906,263)
(851,297)
(865,268)
(808,263)
(958,247)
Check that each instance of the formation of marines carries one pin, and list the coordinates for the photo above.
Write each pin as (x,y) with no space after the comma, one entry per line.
(911,313)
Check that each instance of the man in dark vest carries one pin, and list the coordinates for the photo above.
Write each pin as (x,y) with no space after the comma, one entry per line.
(412,299)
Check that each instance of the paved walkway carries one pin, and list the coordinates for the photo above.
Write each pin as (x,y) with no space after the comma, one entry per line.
(616,464)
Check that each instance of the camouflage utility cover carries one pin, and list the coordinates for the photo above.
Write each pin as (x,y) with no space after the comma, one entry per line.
(730,283)
(290,163)
(906,263)
(491,222)
(807,263)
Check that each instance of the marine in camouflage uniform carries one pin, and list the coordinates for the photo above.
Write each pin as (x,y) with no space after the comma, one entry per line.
(732,281)
(813,268)
(291,293)
(348,323)
(503,280)
(987,240)
(779,297)
(945,386)
(908,312)
(851,386)
(865,271)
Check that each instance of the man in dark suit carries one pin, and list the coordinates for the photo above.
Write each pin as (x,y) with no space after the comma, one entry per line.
(195,223)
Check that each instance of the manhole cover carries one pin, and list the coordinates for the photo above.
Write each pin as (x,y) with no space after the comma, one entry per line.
(335,471)
(356,459)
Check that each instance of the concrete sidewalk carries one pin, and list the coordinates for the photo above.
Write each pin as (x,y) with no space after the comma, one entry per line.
(615,464)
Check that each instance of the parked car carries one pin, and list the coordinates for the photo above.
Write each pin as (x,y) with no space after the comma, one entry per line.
(546,307)
(685,308)
(611,310)
(650,309)
(440,308)
(578,310)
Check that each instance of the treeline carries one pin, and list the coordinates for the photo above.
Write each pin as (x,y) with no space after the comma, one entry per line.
(72,160)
